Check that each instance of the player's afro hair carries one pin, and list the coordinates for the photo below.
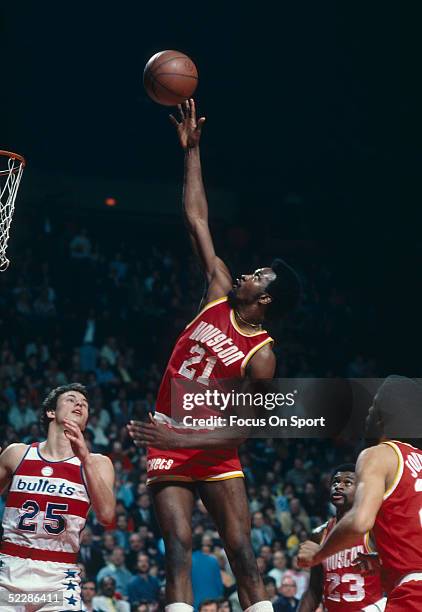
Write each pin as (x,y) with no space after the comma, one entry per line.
(50,401)
(285,290)
(344,467)
(399,403)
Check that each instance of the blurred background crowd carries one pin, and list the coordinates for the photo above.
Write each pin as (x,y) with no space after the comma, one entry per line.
(75,308)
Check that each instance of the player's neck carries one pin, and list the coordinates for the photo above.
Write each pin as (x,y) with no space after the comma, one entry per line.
(247,320)
(57,447)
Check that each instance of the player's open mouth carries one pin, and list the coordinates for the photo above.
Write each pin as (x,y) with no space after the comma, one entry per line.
(77,412)
(338,497)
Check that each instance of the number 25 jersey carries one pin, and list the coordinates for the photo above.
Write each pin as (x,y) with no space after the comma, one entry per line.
(46,509)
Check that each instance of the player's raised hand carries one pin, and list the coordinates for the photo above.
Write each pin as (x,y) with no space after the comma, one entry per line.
(307,552)
(188,128)
(153,434)
(76,439)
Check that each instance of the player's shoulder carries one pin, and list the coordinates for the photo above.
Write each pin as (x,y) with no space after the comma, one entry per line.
(101,460)
(13,454)
(262,364)
(384,450)
(318,533)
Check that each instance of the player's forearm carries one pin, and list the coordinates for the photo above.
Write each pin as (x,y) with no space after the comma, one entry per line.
(195,204)
(309,602)
(102,497)
(206,440)
(344,535)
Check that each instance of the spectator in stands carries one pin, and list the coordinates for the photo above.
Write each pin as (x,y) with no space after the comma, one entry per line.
(143,586)
(261,532)
(90,554)
(279,567)
(298,475)
(136,545)
(108,600)
(224,605)
(206,577)
(88,592)
(117,570)
(208,605)
(287,602)
(271,588)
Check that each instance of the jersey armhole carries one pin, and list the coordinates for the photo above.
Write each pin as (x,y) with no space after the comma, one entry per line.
(21,461)
(399,471)
(252,352)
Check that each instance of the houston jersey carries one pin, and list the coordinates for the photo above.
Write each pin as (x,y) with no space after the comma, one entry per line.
(345,588)
(398,526)
(46,509)
(212,347)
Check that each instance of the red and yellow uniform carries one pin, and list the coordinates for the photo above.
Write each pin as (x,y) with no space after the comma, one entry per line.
(211,347)
(345,588)
(398,532)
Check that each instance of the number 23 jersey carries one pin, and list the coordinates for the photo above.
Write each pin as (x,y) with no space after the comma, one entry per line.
(211,347)
(345,588)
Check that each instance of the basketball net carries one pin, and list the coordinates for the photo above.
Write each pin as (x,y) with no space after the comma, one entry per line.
(11,170)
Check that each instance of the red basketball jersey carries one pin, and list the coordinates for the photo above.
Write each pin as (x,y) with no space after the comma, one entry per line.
(398,526)
(345,588)
(211,347)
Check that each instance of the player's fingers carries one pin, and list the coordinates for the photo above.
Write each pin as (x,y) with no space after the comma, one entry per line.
(181,113)
(192,108)
(173,120)
(201,123)
(151,418)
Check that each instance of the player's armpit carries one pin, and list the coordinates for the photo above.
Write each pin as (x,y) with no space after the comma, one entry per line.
(262,365)
(9,461)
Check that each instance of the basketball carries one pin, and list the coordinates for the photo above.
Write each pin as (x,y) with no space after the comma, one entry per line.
(170,77)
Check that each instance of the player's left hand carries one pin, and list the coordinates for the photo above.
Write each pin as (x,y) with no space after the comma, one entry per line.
(307,554)
(152,433)
(76,439)
(368,563)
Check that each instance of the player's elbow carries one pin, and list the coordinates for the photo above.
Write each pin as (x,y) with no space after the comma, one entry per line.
(362,522)
(106,516)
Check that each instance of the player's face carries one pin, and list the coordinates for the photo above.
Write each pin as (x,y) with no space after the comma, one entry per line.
(373,424)
(72,405)
(248,287)
(343,489)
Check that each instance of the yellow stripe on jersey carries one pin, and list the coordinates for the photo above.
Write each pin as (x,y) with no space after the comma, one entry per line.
(240,331)
(370,548)
(399,471)
(252,353)
(207,307)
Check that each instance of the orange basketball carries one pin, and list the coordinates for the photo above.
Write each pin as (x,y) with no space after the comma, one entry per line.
(170,77)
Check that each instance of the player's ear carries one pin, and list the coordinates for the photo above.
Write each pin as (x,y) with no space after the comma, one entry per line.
(50,413)
(265,299)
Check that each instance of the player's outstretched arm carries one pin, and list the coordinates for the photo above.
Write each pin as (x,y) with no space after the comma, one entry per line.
(375,467)
(195,205)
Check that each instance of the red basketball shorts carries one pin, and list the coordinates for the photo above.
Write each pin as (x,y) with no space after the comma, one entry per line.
(190,465)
